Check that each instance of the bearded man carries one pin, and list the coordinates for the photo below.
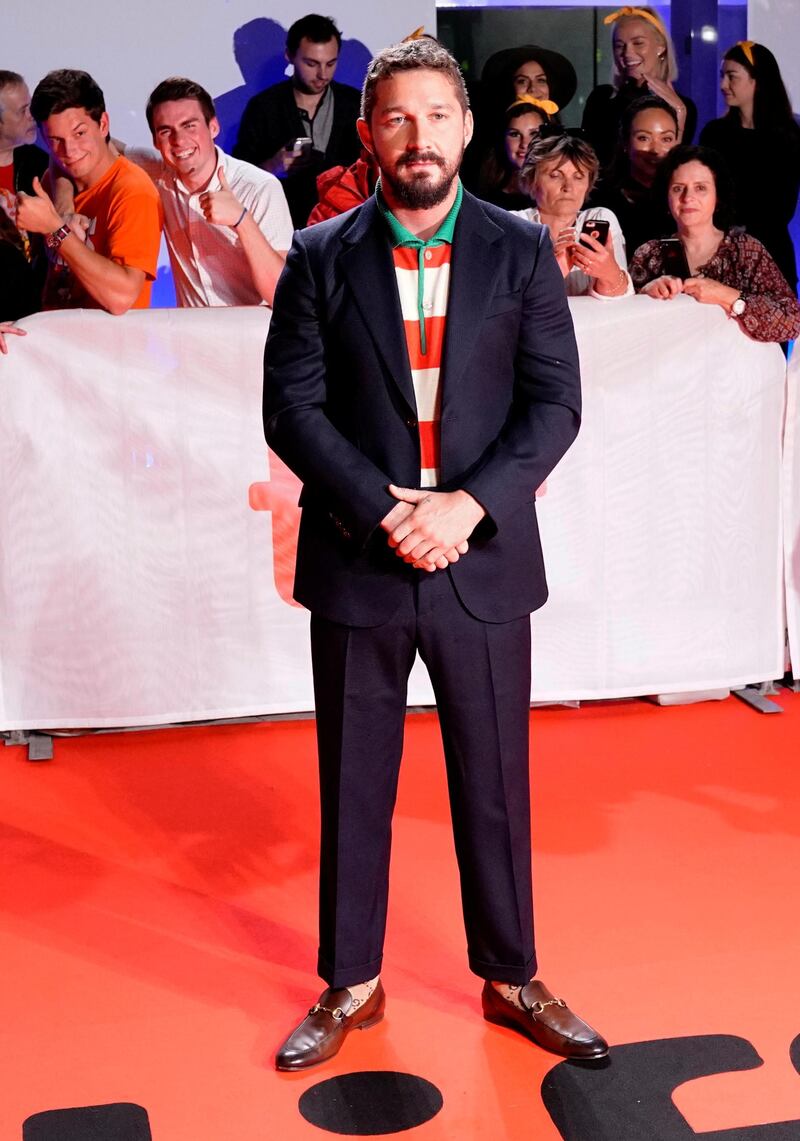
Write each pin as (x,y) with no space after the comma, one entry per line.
(421,378)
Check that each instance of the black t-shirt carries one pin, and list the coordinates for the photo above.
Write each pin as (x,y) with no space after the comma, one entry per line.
(272,119)
(22,281)
(765,164)
(20,287)
(641,217)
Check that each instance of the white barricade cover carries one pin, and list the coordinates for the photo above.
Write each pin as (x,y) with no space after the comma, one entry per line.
(148,539)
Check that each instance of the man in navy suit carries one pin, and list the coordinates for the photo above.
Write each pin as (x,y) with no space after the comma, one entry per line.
(421,378)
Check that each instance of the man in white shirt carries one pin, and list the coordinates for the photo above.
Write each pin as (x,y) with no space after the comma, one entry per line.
(226,223)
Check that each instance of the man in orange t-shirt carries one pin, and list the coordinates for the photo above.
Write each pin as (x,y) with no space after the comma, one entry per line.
(110,261)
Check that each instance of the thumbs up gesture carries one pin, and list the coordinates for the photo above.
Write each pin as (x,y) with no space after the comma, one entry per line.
(221,207)
(36,212)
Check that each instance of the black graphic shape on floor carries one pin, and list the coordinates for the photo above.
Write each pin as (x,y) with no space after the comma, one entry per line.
(370,1103)
(631,1098)
(122,1121)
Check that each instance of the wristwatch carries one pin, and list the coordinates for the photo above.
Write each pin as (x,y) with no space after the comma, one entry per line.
(53,241)
(738,306)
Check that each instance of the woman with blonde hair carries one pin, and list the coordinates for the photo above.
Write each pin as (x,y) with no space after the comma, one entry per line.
(644,62)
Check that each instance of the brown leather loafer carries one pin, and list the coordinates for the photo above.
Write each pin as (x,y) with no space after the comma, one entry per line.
(546,1020)
(321,1033)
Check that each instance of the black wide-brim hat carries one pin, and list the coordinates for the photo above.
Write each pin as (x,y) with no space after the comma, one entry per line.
(561,78)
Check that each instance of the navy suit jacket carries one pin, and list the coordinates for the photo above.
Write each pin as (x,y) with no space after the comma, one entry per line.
(339,407)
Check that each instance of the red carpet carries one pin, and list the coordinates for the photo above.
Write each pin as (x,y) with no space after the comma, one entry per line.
(158,931)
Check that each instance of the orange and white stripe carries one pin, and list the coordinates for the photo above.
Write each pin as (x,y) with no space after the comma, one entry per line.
(425,366)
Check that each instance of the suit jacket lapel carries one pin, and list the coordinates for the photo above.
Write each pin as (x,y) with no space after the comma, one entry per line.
(473,271)
(367,264)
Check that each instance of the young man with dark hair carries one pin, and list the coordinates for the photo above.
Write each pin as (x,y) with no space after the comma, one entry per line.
(226,223)
(111,262)
(305,125)
(421,378)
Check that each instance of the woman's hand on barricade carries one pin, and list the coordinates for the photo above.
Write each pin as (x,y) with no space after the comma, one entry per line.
(710,292)
(664,287)
(5,330)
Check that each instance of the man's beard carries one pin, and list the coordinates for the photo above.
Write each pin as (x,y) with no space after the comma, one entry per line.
(420,192)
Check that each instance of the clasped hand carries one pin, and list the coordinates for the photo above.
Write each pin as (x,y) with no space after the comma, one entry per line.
(429,529)
(706,290)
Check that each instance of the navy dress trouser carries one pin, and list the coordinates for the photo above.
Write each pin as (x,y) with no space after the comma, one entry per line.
(480,674)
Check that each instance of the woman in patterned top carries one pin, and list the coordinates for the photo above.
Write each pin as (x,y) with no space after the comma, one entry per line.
(721,265)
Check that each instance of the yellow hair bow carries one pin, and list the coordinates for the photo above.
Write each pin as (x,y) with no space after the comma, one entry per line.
(546,105)
(747,48)
(637,13)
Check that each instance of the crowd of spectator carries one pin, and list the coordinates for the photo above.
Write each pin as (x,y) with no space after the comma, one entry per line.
(80,226)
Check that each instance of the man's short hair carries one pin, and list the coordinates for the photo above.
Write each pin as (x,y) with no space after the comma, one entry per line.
(177,87)
(318,29)
(424,53)
(8,79)
(61,90)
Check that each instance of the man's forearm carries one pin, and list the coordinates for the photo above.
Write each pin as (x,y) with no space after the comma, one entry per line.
(115,286)
(266,264)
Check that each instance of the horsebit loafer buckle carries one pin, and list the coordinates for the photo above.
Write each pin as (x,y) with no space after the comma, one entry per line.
(337,1014)
(538,1007)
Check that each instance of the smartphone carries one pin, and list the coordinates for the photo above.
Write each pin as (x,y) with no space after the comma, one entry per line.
(674,258)
(598,228)
(300,146)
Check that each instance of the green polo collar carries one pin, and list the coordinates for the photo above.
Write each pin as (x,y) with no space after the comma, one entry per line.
(400,236)
(403,237)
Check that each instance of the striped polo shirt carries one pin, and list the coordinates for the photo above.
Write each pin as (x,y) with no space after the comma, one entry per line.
(422,272)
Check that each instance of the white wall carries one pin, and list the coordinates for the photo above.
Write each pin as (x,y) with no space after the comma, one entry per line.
(130,47)
(776,24)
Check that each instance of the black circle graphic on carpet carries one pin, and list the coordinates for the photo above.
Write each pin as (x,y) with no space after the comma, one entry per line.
(370,1103)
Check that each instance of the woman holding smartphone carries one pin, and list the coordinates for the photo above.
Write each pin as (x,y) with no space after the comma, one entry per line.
(759,134)
(558,174)
(722,265)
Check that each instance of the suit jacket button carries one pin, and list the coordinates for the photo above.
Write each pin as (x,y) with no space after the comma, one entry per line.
(411,422)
